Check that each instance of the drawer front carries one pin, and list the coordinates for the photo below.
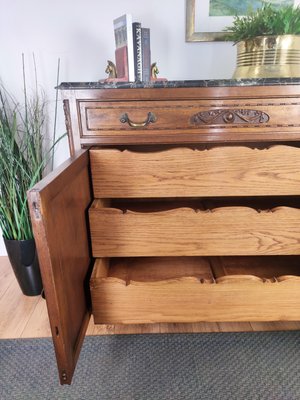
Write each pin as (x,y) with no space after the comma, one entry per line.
(162,121)
(184,231)
(220,171)
(169,294)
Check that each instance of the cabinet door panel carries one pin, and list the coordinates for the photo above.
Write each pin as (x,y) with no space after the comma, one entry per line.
(58,206)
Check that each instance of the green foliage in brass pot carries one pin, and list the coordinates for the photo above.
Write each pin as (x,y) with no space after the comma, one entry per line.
(265,21)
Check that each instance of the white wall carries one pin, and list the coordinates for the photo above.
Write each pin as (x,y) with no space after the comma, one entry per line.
(80,33)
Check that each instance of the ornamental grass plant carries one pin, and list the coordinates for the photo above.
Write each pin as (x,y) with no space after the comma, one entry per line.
(21,162)
(23,158)
(265,21)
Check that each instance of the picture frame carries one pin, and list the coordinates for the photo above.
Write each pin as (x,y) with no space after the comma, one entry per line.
(191,35)
(200,27)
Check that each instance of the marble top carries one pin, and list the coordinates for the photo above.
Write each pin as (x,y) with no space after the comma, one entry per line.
(179,84)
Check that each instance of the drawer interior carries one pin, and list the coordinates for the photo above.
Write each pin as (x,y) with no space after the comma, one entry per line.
(194,289)
(195,227)
(154,269)
(257,203)
(191,235)
(204,269)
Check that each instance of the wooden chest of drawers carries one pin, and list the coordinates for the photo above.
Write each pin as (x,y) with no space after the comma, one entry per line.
(179,203)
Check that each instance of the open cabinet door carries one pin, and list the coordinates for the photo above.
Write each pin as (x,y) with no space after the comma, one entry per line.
(58,207)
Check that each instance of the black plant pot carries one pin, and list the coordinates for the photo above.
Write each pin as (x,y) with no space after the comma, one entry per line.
(23,258)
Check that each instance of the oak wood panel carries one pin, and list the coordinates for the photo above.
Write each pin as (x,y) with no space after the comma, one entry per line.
(152,269)
(260,95)
(178,115)
(267,268)
(220,171)
(191,299)
(37,324)
(58,206)
(184,231)
(280,134)
(103,119)
(285,97)
(199,327)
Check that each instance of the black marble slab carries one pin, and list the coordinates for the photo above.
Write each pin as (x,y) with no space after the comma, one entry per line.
(180,84)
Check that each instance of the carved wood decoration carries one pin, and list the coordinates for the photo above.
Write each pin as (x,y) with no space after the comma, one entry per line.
(230,116)
(68,123)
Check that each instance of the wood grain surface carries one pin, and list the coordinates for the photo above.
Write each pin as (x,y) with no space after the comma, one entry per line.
(163,296)
(166,296)
(220,171)
(58,213)
(20,321)
(189,232)
(93,115)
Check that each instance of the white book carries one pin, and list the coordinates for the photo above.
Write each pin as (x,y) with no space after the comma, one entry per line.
(124,37)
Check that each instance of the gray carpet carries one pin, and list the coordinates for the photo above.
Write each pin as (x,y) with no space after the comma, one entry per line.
(241,366)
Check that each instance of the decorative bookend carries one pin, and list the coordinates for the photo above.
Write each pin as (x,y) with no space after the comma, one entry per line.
(132,53)
(111,70)
(155,72)
(112,73)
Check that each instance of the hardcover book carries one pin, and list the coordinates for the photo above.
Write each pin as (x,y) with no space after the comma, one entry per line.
(121,57)
(124,47)
(146,55)
(137,50)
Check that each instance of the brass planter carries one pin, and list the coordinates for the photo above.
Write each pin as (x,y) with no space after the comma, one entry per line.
(268,57)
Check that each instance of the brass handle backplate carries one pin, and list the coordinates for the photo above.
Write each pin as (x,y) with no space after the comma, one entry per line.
(151,118)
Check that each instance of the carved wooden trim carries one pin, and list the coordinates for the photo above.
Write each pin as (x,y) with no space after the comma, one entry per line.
(68,123)
(230,116)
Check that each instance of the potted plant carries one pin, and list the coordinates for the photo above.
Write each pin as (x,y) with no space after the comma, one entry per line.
(22,162)
(268,42)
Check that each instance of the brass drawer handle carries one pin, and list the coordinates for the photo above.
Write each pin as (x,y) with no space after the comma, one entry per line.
(150,119)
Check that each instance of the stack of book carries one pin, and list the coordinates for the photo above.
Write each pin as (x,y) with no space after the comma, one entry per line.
(133,56)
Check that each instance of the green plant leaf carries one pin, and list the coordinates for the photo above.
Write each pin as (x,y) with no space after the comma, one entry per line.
(267,20)
(24,157)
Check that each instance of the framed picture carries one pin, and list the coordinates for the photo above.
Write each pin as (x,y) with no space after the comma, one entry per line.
(206,19)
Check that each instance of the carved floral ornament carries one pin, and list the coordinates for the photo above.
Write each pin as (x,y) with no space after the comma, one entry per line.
(228,116)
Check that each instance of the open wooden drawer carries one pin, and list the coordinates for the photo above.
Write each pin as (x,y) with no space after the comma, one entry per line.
(189,228)
(193,289)
(200,172)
